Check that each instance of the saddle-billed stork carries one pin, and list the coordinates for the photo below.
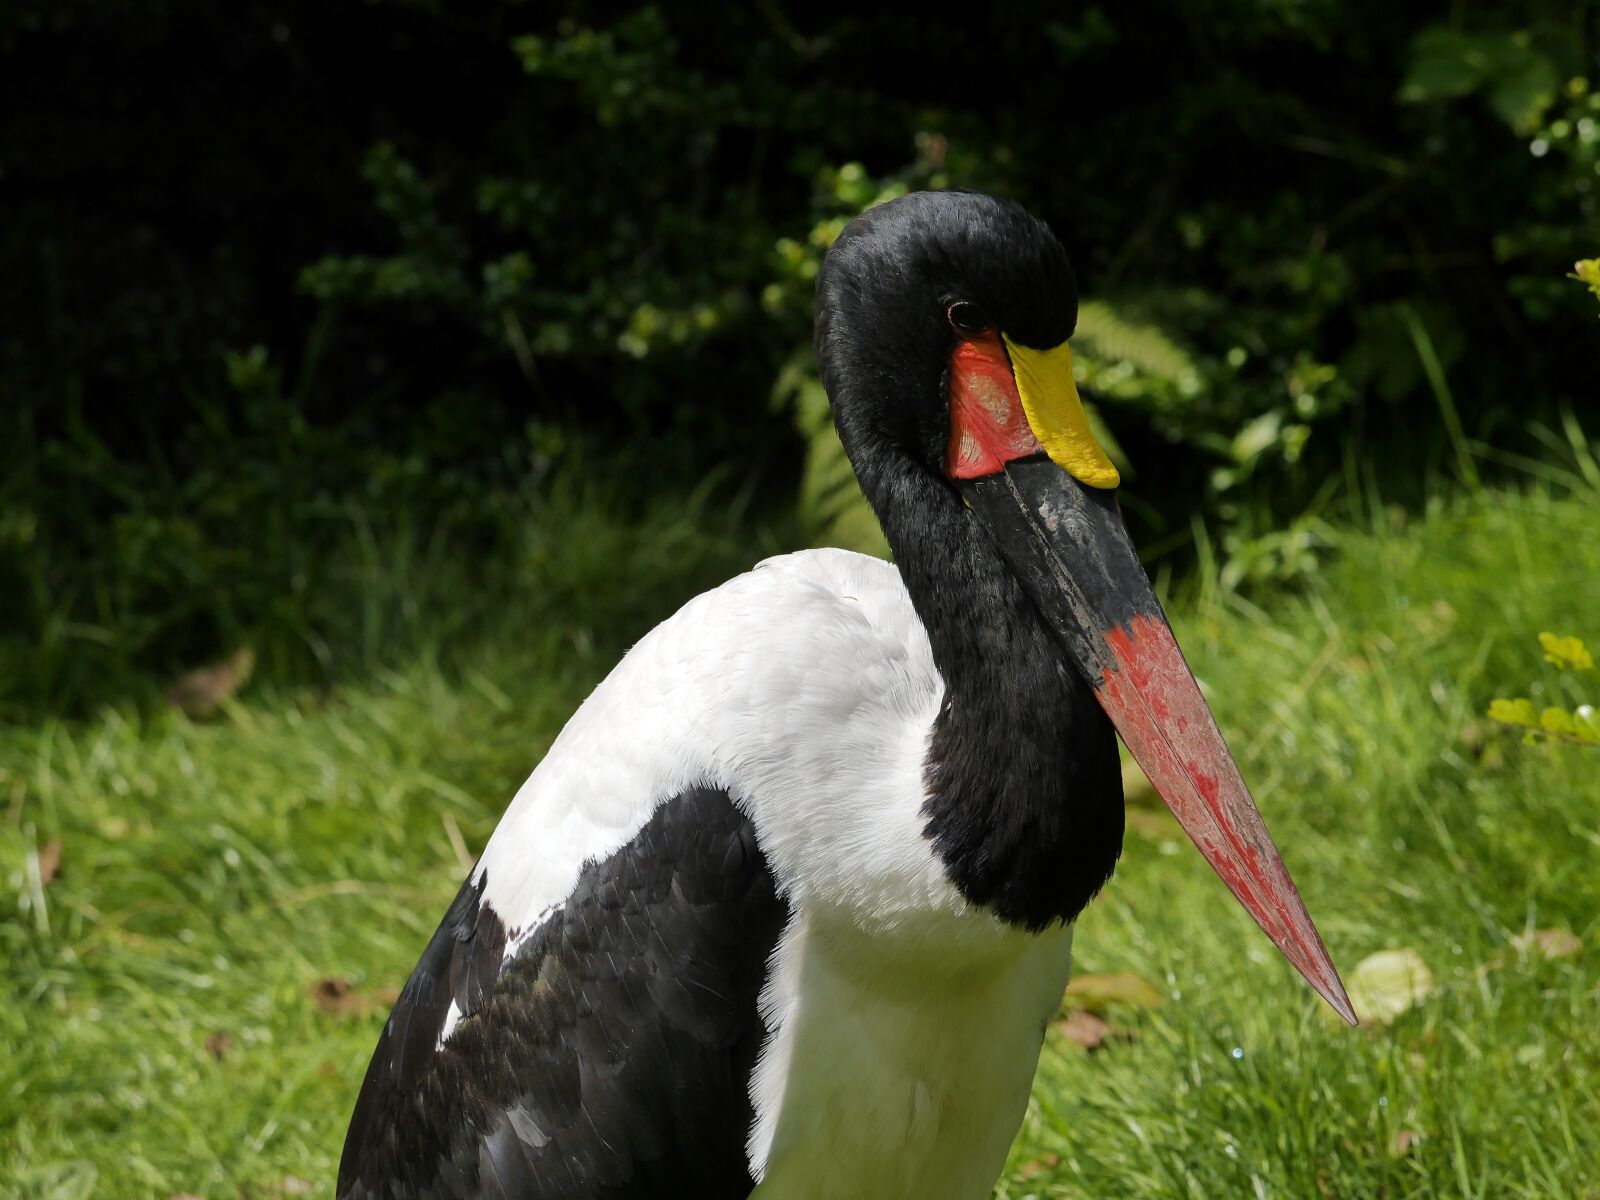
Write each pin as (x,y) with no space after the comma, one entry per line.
(787,906)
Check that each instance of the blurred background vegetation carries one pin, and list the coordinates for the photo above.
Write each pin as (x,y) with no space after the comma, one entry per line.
(373,375)
(279,278)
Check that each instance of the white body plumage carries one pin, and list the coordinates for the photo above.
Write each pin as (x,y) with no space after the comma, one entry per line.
(903,1024)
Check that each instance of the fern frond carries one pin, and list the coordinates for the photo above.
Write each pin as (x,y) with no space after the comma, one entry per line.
(1105,334)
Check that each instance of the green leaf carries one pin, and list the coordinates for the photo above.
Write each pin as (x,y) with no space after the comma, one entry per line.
(1445,63)
(1524,88)
(1557,720)
(1448,63)
(1257,437)
(1513,712)
(1569,653)
(1387,983)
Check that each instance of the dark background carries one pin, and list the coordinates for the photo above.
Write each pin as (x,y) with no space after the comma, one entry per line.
(264,265)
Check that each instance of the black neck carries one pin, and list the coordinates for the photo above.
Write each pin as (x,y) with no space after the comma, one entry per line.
(1024,785)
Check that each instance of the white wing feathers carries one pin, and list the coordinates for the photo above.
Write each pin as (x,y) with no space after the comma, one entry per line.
(804,688)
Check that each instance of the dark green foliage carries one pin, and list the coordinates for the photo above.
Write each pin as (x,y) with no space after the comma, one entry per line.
(264,259)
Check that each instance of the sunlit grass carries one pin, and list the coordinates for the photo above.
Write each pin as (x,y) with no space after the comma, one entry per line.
(1408,823)
(163,1031)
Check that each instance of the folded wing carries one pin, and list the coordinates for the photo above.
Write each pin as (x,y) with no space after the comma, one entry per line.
(607,1055)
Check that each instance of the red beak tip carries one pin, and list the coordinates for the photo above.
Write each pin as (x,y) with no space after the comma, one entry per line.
(1324,979)
(1340,1002)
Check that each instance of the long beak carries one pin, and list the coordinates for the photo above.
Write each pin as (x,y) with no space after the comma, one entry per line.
(1068,542)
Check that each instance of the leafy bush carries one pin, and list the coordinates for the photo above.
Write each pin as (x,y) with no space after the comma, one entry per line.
(1318,242)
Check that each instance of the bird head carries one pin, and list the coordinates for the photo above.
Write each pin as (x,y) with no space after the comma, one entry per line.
(943,321)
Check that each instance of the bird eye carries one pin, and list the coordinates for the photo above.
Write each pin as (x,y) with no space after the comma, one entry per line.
(966,317)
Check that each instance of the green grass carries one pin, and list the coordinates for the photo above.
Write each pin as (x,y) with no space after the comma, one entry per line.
(162,1030)
(1354,711)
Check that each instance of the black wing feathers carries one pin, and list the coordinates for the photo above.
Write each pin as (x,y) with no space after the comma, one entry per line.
(611,1056)
(455,966)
